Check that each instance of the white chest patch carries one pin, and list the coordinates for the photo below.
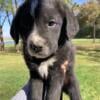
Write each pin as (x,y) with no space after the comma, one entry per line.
(44,66)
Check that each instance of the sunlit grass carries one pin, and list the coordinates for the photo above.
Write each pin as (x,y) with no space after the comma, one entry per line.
(86,41)
(14,74)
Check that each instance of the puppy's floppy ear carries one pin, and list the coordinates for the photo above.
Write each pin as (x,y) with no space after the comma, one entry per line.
(14,30)
(21,23)
(72,26)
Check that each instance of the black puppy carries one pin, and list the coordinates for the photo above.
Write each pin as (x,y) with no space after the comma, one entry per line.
(46,27)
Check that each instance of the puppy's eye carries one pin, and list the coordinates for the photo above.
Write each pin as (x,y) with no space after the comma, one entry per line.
(52,23)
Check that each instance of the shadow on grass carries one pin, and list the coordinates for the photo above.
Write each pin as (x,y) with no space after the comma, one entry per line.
(92,53)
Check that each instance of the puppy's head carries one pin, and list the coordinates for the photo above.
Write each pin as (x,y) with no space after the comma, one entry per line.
(44,26)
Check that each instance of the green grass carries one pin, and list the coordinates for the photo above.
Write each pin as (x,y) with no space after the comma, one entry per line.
(14,73)
(85,41)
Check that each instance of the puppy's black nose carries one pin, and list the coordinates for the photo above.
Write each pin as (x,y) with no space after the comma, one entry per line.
(35,48)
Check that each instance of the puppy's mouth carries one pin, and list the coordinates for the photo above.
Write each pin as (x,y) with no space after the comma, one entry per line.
(39,60)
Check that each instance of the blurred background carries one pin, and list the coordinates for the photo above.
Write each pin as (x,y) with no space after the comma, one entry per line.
(14,73)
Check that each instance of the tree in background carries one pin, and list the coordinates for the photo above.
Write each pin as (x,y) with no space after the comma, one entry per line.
(9,7)
(7,11)
(1,40)
(89,16)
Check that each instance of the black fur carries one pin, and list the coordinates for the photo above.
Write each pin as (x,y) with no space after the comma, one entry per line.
(49,88)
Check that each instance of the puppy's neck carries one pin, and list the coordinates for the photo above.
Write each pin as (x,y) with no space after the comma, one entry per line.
(38,61)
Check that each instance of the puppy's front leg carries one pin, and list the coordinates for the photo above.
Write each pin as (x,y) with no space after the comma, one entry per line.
(36,88)
(55,86)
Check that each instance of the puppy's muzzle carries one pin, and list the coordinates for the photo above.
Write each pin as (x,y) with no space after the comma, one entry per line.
(35,48)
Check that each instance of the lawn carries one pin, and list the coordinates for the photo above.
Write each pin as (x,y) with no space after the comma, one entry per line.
(14,73)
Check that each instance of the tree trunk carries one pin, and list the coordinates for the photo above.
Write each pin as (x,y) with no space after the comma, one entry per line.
(94,32)
(8,18)
(1,40)
(16,5)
